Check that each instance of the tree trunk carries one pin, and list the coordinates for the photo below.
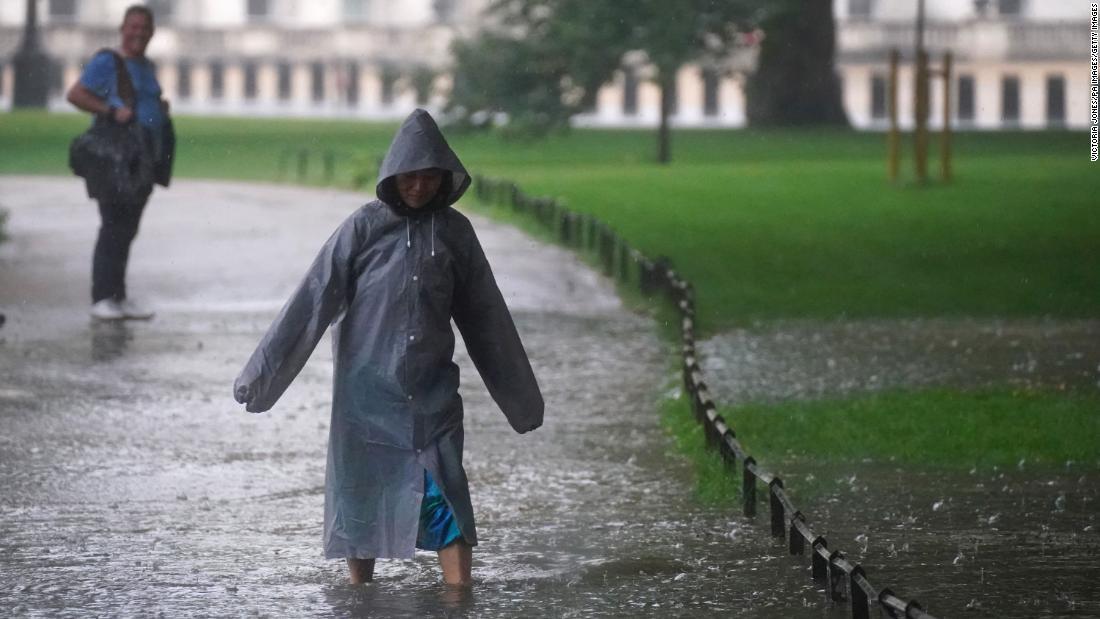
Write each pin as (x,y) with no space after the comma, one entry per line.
(795,82)
(664,139)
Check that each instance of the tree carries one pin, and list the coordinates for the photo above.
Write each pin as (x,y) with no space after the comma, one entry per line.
(546,59)
(794,82)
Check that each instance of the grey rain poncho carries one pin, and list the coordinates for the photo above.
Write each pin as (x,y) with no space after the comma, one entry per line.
(392,278)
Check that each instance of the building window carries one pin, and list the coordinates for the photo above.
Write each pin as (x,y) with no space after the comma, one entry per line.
(878,97)
(356,10)
(965,103)
(630,92)
(710,92)
(283,71)
(317,81)
(217,80)
(1010,100)
(250,80)
(444,10)
(163,10)
(351,83)
(859,8)
(57,77)
(1010,7)
(62,10)
(1056,100)
(259,10)
(183,80)
(389,82)
(422,80)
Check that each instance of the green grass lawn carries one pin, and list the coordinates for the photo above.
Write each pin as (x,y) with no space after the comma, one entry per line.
(767,224)
(772,225)
(1039,430)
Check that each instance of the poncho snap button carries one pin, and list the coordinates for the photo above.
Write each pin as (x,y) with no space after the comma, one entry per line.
(410,396)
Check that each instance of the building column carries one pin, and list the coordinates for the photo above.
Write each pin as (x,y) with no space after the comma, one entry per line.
(370,88)
(168,76)
(234,83)
(200,83)
(731,101)
(689,86)
(301,86)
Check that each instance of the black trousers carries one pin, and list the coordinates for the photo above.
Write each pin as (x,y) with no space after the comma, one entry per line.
(117,229)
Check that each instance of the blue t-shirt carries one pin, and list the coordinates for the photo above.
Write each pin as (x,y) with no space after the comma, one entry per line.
(99,77)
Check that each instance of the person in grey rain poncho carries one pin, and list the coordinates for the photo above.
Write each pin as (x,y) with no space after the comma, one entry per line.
(390,280)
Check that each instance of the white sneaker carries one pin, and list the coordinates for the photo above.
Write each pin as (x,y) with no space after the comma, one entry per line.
(134,311)
(107,309)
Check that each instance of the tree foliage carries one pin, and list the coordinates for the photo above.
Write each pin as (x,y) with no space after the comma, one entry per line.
(543,61)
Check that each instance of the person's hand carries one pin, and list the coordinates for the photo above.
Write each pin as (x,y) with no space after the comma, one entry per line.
(122,115)
(243,394)
(164,106)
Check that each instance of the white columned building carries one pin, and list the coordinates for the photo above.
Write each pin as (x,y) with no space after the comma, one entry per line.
(1017,63)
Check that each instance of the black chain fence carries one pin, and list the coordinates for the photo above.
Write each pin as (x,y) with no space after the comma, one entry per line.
(842,580)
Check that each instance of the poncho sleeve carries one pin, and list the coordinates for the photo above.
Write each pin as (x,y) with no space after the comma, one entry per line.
(290,340)
(493,342)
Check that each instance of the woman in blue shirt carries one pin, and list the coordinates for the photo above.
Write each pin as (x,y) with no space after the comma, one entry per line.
(97,92)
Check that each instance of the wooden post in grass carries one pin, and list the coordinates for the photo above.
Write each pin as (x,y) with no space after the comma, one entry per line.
(920,94)
(921,107)
(893,138)
(945,135)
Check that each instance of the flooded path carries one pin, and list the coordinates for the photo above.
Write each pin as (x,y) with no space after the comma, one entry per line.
(134,486)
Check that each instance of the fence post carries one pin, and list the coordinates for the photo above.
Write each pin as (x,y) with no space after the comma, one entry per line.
(748,487)
(779,523)
(624,261)
(860,605)
(797,543)
(819,571)
(564,227)
(329,162)
(836,578)
(303,164)
(284,160)
(607,247)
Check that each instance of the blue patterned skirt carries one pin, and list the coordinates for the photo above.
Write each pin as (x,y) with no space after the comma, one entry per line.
(438,528)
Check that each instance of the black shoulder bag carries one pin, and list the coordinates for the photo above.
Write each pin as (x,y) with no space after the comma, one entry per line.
(115,160)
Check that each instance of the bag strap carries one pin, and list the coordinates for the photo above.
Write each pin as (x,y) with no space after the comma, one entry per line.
(124,84)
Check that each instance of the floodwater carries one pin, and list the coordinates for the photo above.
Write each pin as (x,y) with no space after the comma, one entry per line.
(134,486)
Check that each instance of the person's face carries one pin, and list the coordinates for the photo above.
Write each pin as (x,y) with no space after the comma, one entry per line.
(417,188)
(136,32)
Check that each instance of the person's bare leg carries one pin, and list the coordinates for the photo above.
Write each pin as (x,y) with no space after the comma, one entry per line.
(362,570)
(456,560)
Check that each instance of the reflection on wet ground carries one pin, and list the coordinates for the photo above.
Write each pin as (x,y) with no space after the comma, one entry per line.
(135,486)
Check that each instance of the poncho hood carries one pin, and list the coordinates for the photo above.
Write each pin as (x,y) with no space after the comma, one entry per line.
(419,144)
